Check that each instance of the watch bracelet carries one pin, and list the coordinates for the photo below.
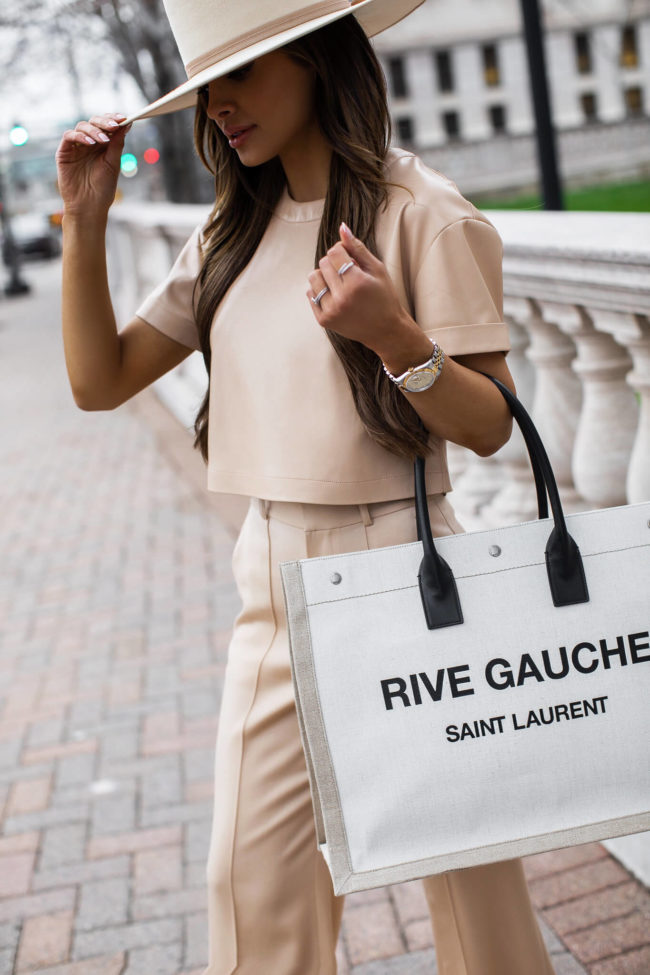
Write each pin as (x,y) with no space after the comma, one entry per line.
(435,367)
(436,360)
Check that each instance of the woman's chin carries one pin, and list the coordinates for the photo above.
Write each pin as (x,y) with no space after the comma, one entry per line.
(253,157)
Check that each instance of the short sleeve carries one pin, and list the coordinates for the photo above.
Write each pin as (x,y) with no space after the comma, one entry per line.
(169,307)
(458,289)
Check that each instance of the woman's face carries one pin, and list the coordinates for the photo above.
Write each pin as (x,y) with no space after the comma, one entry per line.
(274,96)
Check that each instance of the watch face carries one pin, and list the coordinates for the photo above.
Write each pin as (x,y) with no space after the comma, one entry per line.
(420,380)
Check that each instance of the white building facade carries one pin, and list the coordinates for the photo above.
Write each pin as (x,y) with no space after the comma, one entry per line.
(460,96)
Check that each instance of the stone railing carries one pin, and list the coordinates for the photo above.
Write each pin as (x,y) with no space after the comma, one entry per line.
(577,301)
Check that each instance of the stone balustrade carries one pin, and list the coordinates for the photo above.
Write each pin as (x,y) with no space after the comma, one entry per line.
(577,301)
(143,241)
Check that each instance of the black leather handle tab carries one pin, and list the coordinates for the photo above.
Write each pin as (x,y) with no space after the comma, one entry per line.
(564,566)
(436,580)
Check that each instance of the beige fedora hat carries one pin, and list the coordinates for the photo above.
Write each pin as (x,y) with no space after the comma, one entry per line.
(215,37)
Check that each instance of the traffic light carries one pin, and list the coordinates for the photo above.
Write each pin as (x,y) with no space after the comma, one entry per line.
(128,164)
(18,134)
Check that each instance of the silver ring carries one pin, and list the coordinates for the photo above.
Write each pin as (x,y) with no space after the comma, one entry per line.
(346,267)
(319,296)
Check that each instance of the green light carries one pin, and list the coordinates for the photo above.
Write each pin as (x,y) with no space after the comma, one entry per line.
(18,135)
(128,164)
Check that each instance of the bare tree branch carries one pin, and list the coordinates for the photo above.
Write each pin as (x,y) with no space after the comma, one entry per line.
(68,33)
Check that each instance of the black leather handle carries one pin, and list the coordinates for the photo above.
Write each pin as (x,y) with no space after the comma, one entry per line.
(563,560)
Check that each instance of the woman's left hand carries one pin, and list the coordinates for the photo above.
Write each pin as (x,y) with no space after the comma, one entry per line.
(362,303)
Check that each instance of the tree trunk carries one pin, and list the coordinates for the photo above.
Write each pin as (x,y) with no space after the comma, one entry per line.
(185,178)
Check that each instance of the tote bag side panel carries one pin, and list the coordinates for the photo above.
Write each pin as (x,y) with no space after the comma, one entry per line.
(332,840)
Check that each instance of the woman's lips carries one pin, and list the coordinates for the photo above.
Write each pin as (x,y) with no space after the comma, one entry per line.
(236,140)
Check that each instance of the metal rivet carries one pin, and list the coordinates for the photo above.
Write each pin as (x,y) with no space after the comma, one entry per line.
(494,550)
(335,578)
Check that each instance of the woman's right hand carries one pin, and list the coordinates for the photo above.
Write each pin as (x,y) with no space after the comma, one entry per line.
(88,164)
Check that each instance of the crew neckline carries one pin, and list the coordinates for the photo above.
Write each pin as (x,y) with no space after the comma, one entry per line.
(289,209)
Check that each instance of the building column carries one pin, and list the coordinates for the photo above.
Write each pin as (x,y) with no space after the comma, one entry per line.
(562,74)
(643,42)
(605,51)
(470,89)
(423,107)
(516,86)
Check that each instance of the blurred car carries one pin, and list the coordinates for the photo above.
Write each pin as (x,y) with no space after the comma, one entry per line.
(35,235)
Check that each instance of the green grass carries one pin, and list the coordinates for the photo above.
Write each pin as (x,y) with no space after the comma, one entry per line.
(613,196)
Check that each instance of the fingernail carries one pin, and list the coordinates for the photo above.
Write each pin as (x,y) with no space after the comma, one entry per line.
(103,137)
(345,230)
(90,141)
(111,124)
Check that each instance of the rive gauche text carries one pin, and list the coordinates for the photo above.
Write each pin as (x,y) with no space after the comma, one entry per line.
(501,674)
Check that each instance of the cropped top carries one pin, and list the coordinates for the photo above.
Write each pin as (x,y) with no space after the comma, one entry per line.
(282,420)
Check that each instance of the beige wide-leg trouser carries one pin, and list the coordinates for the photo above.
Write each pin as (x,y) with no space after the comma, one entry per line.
(271,905)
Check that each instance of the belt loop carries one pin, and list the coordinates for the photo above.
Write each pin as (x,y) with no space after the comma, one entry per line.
(263,506)
(365,514)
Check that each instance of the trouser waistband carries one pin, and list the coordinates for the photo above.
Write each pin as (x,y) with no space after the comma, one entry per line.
(309,516)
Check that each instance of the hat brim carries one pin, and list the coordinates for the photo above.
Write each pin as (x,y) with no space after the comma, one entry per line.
(373,15)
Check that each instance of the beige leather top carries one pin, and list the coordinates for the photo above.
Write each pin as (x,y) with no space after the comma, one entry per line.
(282,420)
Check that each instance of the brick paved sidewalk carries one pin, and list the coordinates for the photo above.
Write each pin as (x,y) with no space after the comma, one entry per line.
(116,604)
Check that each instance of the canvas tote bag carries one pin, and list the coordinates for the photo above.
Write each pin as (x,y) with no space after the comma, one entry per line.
(477,699)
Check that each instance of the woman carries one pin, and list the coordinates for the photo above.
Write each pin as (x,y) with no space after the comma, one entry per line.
(307,328)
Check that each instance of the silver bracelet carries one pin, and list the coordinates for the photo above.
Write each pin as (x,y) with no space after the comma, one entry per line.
(418,378)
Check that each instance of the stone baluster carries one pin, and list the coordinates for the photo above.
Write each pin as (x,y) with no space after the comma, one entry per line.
(515,499)
(633,333)
(479,482)
(151,254)
(608,419)
(182,389)
(175,237)
(457,460)
(558,396)
(120,262)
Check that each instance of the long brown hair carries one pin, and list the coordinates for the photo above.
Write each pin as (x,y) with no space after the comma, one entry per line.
(351,106)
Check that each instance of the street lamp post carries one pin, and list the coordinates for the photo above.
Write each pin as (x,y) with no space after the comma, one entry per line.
(544,132)
(16,284)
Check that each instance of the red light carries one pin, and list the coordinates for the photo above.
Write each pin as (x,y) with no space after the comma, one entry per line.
(151,156)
